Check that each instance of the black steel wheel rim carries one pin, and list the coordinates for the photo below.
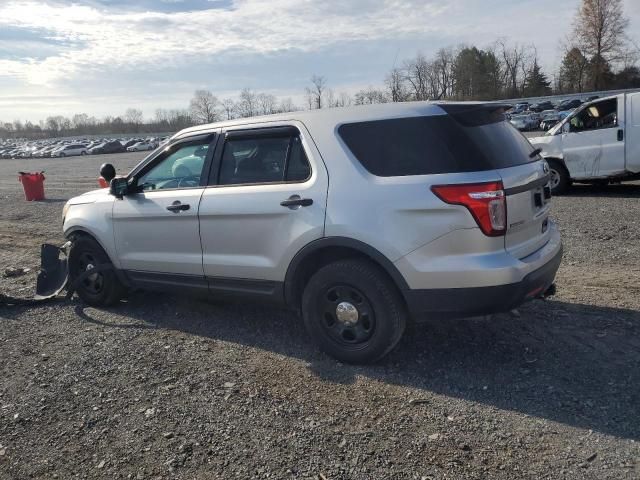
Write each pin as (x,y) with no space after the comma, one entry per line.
(352,331)
(93,284)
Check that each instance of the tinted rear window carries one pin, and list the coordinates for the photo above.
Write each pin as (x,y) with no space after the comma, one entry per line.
(435,144)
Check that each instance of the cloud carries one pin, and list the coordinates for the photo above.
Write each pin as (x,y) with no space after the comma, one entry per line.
(156,52)
(116,38)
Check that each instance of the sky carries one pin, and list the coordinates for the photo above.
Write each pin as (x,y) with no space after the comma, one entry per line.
(101,57)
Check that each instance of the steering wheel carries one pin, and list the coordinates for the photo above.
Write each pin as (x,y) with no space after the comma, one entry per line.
(189,181)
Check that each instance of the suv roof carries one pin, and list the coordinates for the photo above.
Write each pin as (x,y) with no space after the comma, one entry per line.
(337,116)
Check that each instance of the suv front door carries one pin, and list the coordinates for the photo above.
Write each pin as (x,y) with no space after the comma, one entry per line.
(266,200)
(156,231)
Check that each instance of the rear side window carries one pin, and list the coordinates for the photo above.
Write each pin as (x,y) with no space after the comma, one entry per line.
(435,144)
(263,159)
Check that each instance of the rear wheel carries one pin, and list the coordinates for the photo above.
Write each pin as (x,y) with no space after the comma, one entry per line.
(560,180)
(353,311)
(100,289)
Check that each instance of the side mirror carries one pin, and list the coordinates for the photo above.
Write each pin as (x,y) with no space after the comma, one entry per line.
(119,187)
(566,127)
(107,171)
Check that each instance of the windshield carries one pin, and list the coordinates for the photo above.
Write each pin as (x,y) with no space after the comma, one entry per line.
(558,126)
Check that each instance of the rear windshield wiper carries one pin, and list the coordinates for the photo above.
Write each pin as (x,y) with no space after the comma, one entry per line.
(535,153)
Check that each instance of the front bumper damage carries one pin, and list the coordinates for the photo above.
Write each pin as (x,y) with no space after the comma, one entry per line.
(54,271)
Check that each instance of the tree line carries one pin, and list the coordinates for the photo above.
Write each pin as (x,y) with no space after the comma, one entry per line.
(598,55)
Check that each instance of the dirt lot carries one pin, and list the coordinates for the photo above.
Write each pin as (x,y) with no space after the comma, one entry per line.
(164,387)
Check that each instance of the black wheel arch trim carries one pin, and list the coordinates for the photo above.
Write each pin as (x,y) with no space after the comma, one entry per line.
(328,242)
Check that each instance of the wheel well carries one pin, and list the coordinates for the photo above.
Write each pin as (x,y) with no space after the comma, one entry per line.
(558,161)
(320,257)
(72,235)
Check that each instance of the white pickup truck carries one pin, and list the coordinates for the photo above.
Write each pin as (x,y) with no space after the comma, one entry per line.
(597,143)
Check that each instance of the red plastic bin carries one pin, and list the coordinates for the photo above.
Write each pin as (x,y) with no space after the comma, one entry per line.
(33,185)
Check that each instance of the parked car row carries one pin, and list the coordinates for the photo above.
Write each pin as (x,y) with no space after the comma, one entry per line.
(68,148)
(544,115)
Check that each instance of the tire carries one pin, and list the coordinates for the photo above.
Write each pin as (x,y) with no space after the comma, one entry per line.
(104,288)
(560,180)
(83,153)
(62,154)
(373,314)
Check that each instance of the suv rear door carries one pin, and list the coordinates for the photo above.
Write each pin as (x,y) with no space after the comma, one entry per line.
(266,199)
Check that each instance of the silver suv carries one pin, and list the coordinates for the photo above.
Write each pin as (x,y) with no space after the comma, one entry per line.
(358,218)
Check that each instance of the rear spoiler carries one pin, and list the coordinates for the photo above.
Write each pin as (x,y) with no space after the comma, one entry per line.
(476,114)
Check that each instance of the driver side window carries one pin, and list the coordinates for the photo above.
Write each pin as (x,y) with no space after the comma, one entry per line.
(181,168)
(603,114)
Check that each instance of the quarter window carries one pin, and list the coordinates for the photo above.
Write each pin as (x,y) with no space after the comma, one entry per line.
(181,168)
(436,144)
(262,159)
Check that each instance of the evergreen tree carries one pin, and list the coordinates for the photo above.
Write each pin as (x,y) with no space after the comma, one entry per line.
(536,84)
(573,72)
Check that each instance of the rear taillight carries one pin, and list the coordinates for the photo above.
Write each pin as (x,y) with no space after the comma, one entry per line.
(485,201)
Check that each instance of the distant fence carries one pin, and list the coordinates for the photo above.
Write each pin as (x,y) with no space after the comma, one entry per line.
(113,135)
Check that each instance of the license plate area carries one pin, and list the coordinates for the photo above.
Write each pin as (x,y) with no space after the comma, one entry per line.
(541,196)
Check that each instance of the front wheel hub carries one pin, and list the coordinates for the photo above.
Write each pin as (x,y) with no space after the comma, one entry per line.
(93,283)
(348,316)
(347,313)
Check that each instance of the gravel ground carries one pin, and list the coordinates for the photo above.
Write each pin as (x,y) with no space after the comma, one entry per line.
(170,387)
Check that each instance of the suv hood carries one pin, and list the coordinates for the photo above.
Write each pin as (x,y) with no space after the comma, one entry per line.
(89,197)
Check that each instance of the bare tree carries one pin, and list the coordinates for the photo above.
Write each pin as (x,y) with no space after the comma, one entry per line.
(79,120)
(287,105)
(204,107)
(396,85)
(416,74)
(133,116)
(248,104)
(599,28)
(514,59)
(441,76)
(343,100)
(178,119)
(317,92)
(229,108)
(370,96)
(266,103)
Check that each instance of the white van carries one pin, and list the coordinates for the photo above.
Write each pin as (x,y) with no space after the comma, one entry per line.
(597,143)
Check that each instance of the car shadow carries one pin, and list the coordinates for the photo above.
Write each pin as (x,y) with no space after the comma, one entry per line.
(621,190)
(574,364)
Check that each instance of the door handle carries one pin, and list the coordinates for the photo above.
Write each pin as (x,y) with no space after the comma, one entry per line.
(620,135)
(295,201)
(177,207)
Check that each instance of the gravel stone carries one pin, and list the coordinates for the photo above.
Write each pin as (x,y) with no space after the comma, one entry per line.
(562,379)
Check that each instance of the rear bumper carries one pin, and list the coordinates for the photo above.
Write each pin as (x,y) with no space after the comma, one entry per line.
(467,302)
